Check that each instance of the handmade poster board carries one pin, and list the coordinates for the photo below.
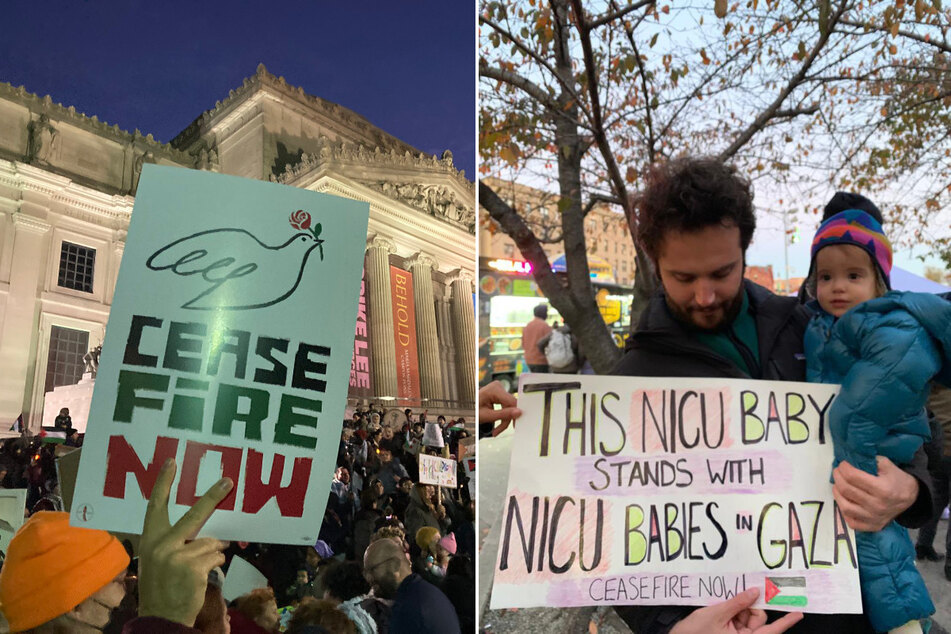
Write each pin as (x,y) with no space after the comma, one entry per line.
(241,579)
(666,491)
(228,347)
(12,508)
(437,471)
(67,468)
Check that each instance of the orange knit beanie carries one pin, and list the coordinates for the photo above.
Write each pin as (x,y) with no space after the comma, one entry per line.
(51,567)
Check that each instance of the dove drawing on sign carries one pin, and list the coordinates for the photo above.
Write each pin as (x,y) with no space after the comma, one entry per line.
(242,272)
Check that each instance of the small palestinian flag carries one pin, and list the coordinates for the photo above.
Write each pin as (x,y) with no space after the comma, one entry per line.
(786,591)
(52,435)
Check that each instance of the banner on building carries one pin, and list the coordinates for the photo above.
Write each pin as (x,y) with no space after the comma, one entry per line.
(673,492)
(404,330)
(361,382)
(228,348)
(436,470)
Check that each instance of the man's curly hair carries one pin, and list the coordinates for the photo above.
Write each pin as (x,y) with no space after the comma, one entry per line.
(691,194)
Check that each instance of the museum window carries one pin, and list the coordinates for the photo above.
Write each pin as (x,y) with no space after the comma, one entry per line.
(76,265)
(64,364)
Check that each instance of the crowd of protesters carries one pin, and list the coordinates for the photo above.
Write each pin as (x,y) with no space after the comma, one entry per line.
(29,463)
(392,555)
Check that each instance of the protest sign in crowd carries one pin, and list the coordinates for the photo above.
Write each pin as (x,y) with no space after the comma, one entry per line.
(210,383)
(347,581)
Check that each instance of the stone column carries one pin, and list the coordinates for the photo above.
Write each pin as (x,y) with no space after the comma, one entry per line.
(118,248)
(380,301)
(463,327)
(446,348)
(18,334)
(421,266)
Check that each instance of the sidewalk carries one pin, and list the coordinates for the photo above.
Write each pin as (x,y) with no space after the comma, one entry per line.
(938,586)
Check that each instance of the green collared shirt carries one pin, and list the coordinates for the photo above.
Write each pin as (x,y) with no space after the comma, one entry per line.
(738,342)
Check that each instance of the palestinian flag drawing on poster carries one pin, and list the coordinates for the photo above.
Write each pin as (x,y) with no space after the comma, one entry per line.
(52,435)
(786,591)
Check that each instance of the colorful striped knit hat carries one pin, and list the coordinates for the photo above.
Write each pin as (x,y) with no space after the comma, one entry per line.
(856,227)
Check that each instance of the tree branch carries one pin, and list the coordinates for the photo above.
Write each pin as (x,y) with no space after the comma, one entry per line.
(795,112)
(516,228)
(599,198)
(942,46)
(618,13)
(686,100)
(515,80)
(642,73)
(530,53)
(760,122)
(614,172)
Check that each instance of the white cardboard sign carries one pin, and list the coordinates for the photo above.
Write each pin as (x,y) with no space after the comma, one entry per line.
(673,492)
(241,579)
(437,471)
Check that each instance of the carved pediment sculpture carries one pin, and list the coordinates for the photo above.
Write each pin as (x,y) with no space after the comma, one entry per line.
(435,200)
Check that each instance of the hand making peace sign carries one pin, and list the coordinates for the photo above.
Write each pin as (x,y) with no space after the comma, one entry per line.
(174,567)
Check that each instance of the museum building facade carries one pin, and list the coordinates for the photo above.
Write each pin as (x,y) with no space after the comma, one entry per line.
(67,188)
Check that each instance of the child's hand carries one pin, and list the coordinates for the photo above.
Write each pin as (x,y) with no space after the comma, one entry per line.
(869,502)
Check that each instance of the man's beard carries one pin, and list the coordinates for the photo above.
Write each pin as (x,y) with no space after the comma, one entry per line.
(730,311)
(386,588)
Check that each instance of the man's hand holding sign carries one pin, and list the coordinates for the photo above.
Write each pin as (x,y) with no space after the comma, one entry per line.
(869,502)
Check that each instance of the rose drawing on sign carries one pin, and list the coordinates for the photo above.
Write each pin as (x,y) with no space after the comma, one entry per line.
(300,220)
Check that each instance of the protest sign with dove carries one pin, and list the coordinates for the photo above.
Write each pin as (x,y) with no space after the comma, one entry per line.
(211,356)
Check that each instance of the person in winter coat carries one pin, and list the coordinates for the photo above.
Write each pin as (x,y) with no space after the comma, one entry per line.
(57,577)
(695,222)
(564,357)
(939,403)
(884,348)
(423,512)
(364,524)
(255,613)
(390,471)
(346,586)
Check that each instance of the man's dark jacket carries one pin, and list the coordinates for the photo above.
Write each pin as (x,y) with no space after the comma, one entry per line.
(664,347)
(421,608)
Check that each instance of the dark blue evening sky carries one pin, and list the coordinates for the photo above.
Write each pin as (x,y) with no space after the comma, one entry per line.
(407,66)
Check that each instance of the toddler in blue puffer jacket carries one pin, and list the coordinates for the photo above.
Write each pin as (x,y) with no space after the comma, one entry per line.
(884,348)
